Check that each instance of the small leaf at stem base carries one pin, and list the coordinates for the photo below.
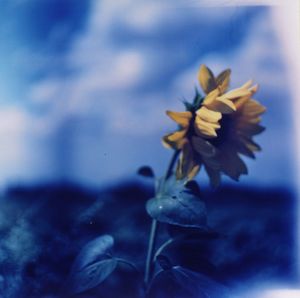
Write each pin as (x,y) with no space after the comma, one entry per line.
(146,171)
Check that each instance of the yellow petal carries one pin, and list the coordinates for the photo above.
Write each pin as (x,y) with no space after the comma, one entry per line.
(223,80)
(241,101)
(254,89)
(167,144)
(247,85)
(206,79)
(182,118)
(193,172)
(253,146)
(236,93)
(253,108)
(218,103)
(250,119)
(214,176)
(243,149)
(232,164)
(175,140)
(208,115)
(187,166)
(250,129)
(221,105)
(211,97)
(249,143)
(205,129)
(204,148)
(177,135)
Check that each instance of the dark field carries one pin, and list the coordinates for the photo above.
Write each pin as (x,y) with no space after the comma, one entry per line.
(43,228)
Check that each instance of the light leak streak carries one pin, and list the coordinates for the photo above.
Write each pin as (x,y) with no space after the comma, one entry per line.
(286,19)
(218,3)
(283,293)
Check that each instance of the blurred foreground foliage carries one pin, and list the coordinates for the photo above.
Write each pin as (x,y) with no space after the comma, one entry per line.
(57,221)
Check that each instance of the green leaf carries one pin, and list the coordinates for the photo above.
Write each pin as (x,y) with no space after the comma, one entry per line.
(196,103)
(91,276)
(188,106)
(92,265)
(175,204)
(93,251)
(198,99)
(179,282)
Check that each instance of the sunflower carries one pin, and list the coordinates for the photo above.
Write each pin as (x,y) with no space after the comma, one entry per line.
(214,132)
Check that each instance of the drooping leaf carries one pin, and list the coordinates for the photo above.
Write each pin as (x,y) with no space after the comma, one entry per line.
(146,171)
(175,204)
(92,265)
(183,211)
(91,276)
(95,250)
(179,282)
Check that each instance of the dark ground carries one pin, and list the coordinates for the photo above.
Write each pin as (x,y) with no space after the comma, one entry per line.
(43,228)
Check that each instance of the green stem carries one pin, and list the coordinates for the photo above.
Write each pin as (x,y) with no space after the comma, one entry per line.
(162,247)
(166,244)
(171,164)
(149,261)
(154,228)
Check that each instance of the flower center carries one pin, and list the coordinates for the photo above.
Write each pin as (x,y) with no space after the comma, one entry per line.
(224,132)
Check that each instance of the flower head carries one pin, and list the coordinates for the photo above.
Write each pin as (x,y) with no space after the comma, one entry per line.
(216,129)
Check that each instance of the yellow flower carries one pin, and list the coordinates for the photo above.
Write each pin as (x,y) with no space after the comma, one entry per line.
(194,128)
(214,132)
(239,123)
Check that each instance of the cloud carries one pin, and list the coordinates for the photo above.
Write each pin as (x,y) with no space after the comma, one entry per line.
(106,75)
(259,56)
(120,73)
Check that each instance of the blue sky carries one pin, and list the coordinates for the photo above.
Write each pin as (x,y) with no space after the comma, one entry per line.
(84,84)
